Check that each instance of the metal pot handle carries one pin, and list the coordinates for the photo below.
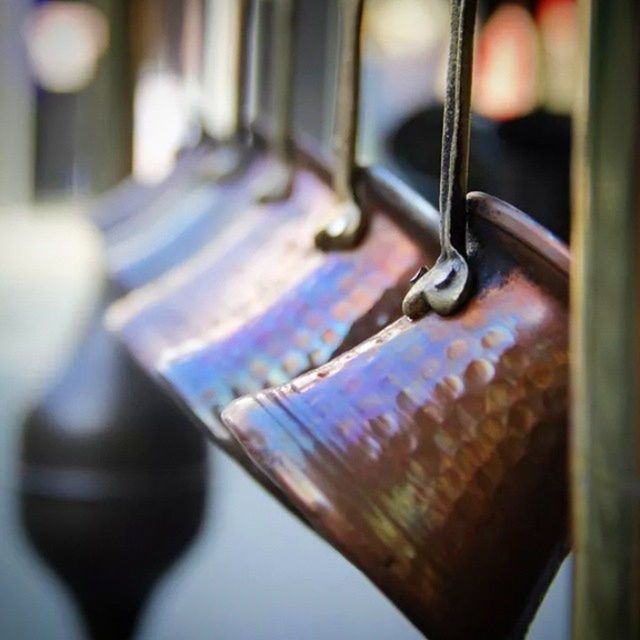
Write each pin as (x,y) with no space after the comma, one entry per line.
(446,286)
(347,222)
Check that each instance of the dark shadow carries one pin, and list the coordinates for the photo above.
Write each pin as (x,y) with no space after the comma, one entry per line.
(113,482)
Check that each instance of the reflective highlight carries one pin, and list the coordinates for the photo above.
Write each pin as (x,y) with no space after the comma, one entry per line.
(267,306)
(303,328)
(432,456)
(176,225)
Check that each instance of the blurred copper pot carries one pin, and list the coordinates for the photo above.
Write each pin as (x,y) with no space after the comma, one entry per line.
(149,230)
(131,196)
(178,224)
(263,304)
(433,454)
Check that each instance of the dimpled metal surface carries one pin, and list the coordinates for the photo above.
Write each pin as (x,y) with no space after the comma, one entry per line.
(433,457)
(303,328)
(232,280)
(262,304)
(179,222)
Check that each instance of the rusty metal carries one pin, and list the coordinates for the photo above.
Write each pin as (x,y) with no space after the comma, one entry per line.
(605,340)
(447,284)
(433,455)
(347,222)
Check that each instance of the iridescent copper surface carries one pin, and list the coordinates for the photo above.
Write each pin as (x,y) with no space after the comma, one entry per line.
(268,307)
(433,454)
(130,197)
(185,214)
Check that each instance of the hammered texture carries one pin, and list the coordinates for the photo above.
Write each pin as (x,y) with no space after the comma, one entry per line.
(303,328)
(433,457)
(182,218)
(259,311)
(232,280)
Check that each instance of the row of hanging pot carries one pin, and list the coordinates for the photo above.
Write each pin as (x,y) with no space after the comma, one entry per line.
(419,425)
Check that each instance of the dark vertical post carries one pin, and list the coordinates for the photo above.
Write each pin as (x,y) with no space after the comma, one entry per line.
(84,138)
(606,338)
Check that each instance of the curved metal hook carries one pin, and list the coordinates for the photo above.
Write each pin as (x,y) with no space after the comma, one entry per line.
(348,223)
(446,286)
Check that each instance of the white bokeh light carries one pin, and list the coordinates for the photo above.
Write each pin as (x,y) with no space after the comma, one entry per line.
(65,41)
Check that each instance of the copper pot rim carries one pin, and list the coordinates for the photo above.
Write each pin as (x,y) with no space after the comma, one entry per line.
(421,219)
(416,214)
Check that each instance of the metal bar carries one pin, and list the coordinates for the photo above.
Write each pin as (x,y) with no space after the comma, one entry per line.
(446,286)
(227,45)
(606,340)
(454,173)
(348,98)
(230,119)
(348,224)
(241,68)
(283,79)
(278,182)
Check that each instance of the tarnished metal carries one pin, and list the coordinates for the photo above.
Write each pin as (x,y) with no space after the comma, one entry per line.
(347,222)
(447,284)
(433,455)
(605,339)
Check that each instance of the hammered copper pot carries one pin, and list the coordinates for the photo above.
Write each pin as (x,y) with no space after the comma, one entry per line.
(257,308)
(275,305)
(432,455)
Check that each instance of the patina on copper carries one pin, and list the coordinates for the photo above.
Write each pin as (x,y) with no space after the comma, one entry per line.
(432,455)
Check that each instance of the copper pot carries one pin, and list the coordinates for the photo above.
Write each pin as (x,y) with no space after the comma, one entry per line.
(265,300)
(433,454)
(233,322)
(176,225)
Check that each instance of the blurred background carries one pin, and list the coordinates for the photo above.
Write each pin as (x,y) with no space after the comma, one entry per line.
(93,92)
